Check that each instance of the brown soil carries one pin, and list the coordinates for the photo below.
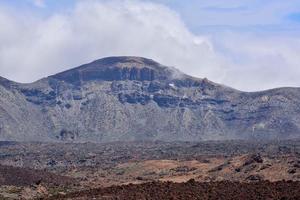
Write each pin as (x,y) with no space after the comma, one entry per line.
(244,168)
(193,190)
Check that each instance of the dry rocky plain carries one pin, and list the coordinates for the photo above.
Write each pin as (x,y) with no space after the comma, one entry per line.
(150,170)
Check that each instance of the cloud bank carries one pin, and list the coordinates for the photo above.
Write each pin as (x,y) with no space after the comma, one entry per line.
(32,47)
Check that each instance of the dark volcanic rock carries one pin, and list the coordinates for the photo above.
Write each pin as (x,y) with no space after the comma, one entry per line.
(166,100)
(192,190)
(26,177)
(133,98)
(254,158)
(254,178)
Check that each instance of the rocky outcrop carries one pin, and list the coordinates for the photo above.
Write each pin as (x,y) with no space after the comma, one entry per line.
(132,98)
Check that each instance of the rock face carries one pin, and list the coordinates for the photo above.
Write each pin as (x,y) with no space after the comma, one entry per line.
(133,98)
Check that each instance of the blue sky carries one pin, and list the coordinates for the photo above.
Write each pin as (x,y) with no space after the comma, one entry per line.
(247,44)
(199,15)
(236,13)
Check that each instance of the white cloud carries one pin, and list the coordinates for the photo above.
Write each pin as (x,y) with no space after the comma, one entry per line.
(33,47)
(94,30)
(261,61)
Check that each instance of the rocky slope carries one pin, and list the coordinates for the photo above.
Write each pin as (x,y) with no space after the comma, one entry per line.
(133,98)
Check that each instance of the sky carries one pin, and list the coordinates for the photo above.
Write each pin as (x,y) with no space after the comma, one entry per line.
(249,45)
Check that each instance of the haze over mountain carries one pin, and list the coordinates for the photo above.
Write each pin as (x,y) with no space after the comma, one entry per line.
(134,98)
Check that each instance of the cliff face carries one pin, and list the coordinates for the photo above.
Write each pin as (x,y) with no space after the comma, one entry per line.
(132,98)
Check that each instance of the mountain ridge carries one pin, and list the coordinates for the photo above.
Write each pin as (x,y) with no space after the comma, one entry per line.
(173,69)
(133,98)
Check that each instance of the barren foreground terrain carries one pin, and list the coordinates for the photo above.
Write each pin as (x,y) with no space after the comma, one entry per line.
(192,190)
(150,170)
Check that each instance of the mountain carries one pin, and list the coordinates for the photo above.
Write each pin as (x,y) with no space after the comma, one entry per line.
(133,98)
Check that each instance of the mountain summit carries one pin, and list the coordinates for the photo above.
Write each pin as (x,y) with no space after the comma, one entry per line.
(117,69)
(133,98)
